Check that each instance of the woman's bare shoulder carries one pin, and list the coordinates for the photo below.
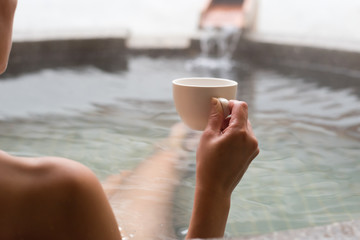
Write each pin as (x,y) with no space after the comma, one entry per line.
(91,213)
(58,187)
(44,177)
(61,171)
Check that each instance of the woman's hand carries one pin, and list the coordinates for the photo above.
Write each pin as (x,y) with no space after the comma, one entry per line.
(226,149)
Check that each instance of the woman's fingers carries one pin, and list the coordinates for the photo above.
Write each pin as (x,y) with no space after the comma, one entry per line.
(239,114)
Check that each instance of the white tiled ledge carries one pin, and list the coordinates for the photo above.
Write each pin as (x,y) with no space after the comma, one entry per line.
(65,34)
(336,44)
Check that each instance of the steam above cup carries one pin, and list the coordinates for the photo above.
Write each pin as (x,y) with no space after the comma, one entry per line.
(192,97)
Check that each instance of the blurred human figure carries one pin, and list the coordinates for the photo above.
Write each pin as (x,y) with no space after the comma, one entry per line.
(56,198)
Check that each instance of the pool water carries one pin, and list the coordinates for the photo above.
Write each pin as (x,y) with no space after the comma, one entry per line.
(308,127)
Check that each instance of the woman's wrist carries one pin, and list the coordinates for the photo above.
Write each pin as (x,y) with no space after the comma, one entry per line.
(209,215)
(214,190)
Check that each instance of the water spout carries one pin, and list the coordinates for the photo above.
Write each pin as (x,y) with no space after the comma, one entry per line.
(220,25)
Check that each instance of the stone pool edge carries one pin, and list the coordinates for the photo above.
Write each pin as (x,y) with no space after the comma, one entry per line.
(111,53)
(108,53)
(340,230)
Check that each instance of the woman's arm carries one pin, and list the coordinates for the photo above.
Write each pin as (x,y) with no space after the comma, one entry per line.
(224,154)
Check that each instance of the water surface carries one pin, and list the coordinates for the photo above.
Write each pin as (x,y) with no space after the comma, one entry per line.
(308,126)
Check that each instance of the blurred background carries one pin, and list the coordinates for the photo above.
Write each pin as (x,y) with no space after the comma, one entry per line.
(320,22)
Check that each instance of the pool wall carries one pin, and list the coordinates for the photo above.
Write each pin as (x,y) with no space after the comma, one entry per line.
(104,53)
(299,56)
(273,52)
(112,53)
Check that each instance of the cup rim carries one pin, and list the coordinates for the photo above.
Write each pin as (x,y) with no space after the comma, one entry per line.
(230,83)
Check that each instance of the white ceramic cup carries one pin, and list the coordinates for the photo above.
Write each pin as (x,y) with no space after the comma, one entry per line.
(192,97)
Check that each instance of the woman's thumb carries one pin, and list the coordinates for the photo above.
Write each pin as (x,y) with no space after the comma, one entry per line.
(216,116)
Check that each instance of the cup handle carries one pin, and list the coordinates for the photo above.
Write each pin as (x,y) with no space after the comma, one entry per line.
(225,106)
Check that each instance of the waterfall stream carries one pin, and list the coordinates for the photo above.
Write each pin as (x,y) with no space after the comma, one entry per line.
(217,47)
